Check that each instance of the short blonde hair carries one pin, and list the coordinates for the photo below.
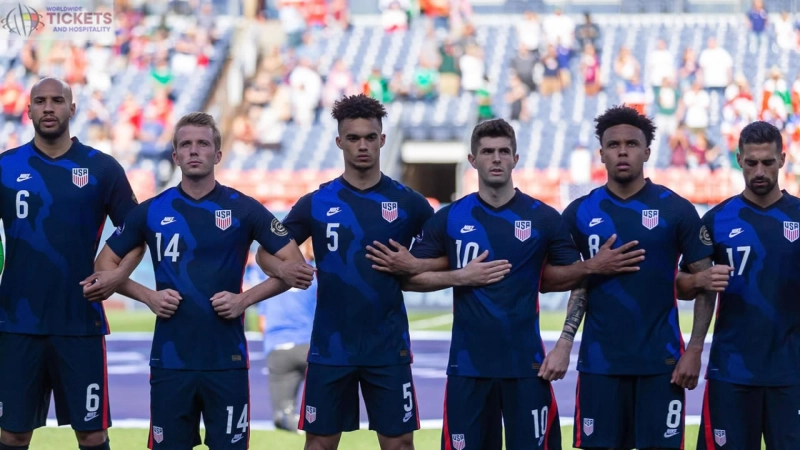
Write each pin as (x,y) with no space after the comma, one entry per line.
(199,119)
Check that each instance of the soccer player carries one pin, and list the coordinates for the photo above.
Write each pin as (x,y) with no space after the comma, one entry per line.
(56,194)
(632,366)
(199,234)
(360,334)
(494,374)
(753,386)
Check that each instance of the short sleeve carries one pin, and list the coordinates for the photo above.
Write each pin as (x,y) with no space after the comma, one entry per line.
(706,233)
(298,221)
(561,250)
(569,217)
(423,213)
(120,199)
(431,242)
(131,233)
(694,239)
(267,230)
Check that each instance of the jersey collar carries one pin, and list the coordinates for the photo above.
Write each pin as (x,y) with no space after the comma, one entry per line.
(212,193)
(647,184)
(501,207)
(776,203)
(75,144)
(372,188)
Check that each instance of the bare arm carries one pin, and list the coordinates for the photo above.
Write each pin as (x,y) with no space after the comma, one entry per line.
(107,260)
(476,273)
(689,285)
(400,261)
(102,284)
(296,274)
(556,362)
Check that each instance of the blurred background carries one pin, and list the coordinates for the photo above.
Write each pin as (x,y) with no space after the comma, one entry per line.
(270,70)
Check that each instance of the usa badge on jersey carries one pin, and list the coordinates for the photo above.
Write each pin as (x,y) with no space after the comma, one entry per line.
(222,218)
(719,437)
(80,176)
(588,426)
(650,218)
(791,231)
(311,414)
(459,443)
(522,230)
(389,211)
(158,434)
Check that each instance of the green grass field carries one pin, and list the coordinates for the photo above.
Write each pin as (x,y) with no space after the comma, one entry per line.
(130,439)
(430,321)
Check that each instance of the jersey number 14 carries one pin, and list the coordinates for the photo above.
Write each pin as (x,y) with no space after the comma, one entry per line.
(172,247)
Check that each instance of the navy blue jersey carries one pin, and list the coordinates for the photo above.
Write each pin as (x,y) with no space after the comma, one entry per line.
(632,323)
(360,317)
(53,212)
(757,332)
(496,327)
(199,248)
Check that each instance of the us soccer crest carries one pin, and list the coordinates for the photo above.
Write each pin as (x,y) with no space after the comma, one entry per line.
(389,211)
(719,437)
(588,426)
(650,218)
(223,218)
(458,442)
(311,414)
(791,231)
(80,177)
(522,229)
(158,434)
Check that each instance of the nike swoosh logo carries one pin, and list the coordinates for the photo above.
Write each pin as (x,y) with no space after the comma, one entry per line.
(236,439)
(595,222)
(23,177)
(735,232)
(670,433)
(167,220)
(467,229)
(333,211)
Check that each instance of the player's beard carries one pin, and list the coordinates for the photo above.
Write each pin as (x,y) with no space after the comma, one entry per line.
(51,135)
(763,189)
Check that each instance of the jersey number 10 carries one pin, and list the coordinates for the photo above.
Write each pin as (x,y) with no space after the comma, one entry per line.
(471,252)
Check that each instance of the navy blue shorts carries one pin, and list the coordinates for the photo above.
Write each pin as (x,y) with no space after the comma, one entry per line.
(330,399)
(475,410)
(179,397)
(628,412)
(71,368)
(735,417)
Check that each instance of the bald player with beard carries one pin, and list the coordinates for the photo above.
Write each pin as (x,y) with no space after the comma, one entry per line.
(55,196)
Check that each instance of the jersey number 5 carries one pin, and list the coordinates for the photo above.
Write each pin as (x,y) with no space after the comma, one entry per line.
(172,247)
(745,251)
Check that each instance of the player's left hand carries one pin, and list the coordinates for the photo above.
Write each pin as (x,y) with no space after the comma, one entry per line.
(101,285)
(687,371)
(228,305)
(556,363)
(399,261)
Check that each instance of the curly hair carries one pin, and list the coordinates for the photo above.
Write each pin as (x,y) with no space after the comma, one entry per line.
(358,107)
(624,115)
(493,128)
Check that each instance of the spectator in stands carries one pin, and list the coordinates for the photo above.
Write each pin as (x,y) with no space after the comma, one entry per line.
(739,104)
(460,14)
(523,65)
(398,88)
(717,67)
(377,86)
(243,132)
(529,33)
(260,90)
(292,22)
(306,85)
(626,65)
(712,153)
(394,16)
(517,98)
(12,98)
(757,23)
(161,74)
(338,83)
(154,136)
(590,68)
(472,68)
(633,94)
(695,106)
(438,11)
(776,99)
(425,83)
(484,98)
(587,33)
(689,69)
(339,15)
(559,27)
(99,58)
(564,56)
(660,64)
(666,99)
(551,83)
(679,146)
(449,72)
(785,34)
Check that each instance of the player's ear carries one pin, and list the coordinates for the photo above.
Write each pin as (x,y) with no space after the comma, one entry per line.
(175,157)
(383,139)
(471,159)
(217,156)
(516,159)
(602,156)
(339,142)
(647,153)
(782,160)
(29,111)
(72,109)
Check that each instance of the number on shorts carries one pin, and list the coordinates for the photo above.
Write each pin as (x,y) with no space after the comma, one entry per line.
(242,423)
(674,414)
(408,396)
(594,245)
(92,399)
(539,428)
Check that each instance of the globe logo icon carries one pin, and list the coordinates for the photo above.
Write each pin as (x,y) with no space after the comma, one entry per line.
(22,20)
